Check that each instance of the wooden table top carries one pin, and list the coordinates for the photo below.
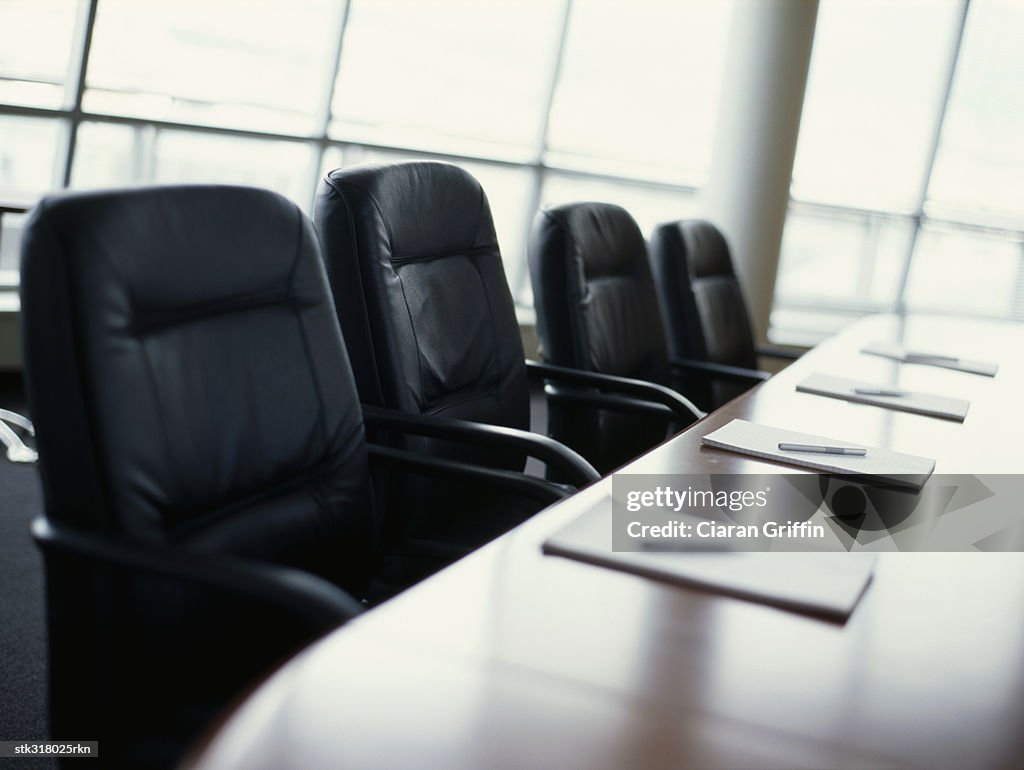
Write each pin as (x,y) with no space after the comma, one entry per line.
(513,659)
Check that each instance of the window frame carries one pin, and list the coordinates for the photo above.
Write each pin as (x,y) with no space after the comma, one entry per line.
(917,219)
(538,164)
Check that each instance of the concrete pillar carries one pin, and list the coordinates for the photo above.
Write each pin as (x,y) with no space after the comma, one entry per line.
(768,56)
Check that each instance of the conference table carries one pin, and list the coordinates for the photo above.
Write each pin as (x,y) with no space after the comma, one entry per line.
(515,659)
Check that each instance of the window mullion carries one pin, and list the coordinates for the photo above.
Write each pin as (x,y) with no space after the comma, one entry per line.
(933,151)
(523,277)
(324,115)
(84,47)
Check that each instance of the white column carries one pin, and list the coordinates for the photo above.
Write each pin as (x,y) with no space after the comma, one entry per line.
(747,192)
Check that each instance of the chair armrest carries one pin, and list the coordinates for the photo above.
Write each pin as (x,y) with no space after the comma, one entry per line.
(19,420)
(16,449)
(682,408)
(320,604)
(771,351)
(577,470)
(519,483)
(711,371)
(610,402)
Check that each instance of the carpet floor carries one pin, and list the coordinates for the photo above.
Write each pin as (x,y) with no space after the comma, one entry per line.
(22,614)
(22,605)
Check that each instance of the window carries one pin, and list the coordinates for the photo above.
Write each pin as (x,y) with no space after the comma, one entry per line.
(963,271)
(28,156)
(909,164)
(10,247)
(260,65)
(638,93)
(979,169)
(452,76)
(909,155)
(30,163)
(843,259)
(543,101)
(110,155)
(37,50)
(873,97)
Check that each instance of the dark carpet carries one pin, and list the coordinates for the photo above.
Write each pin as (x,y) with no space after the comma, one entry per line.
(22,610)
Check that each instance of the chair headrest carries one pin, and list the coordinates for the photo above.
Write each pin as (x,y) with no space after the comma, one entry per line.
(428,209)
(602,238)
(703,247)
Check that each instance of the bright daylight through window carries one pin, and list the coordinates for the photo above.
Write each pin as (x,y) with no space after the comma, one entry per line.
(909,159)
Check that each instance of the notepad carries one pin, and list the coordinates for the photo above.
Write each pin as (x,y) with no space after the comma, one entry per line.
(827,584)
(763,441)
(909,401)
(923,357)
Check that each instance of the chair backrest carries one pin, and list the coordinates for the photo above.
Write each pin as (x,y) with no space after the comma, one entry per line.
(430,326)
(597,310)
(702,303)
(421,294)
(701,299)
(189,386)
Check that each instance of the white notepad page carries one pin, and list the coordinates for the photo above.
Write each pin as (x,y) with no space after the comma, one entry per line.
(899,353)
(763,441)
(911,401)
(821,583)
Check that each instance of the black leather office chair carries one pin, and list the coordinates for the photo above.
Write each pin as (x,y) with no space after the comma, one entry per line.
(203,460)
(431,331)
(597,311)
(705,315)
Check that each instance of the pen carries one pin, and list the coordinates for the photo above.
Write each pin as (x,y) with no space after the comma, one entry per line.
(823,450)
(930,357)
(879,392)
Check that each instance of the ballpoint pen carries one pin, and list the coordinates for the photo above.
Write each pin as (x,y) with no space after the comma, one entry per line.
(879,392)
(823,450)
(930,357)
